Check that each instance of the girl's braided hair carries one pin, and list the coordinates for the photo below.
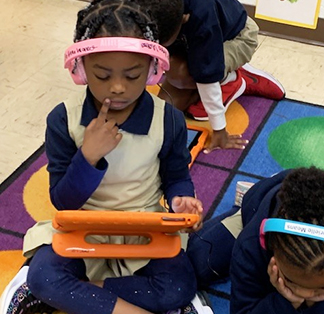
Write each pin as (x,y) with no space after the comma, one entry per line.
(301,198)
(121,18)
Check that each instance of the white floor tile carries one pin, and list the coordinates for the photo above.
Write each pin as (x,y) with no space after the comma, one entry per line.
(15,149)
(299,67)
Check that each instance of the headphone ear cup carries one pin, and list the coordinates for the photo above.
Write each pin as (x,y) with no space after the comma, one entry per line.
(262,235)
(155,72)
(77,72)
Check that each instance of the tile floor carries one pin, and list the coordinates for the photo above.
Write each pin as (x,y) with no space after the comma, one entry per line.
(33,37)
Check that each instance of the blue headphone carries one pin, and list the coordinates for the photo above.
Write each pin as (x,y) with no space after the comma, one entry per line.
(297,228)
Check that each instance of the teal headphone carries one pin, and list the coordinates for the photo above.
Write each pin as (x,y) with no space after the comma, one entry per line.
(297,228)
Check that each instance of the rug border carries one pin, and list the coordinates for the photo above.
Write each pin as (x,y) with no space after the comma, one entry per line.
(12,178)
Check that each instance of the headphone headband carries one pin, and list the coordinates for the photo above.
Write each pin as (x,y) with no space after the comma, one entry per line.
(108,44)
(298,228)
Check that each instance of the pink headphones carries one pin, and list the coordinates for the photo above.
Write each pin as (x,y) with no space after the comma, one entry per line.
(73,60)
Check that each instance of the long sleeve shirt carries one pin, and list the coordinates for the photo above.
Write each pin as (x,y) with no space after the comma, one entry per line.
(73,179)
(251,290)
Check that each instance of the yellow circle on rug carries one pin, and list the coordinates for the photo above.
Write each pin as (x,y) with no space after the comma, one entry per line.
(10,263)
(36,196)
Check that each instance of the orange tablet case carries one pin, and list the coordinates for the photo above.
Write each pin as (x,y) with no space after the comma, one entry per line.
(204,133)
(160,228)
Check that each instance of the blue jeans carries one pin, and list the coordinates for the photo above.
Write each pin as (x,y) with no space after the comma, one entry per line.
(163,284)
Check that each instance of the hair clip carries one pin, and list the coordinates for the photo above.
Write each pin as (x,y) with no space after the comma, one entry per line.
(86,34)
(148,34)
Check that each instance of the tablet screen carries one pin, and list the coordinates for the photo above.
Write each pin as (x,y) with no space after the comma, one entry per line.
(193,136)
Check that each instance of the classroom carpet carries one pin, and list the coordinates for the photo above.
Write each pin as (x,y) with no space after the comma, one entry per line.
(282,134)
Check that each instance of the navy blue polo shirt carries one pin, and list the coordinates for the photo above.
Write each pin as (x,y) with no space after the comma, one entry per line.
(211,23)
(73,179)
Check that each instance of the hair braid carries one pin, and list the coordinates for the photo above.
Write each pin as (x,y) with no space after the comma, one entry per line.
(149,29)
(167,14)
(115,18)
(301,199)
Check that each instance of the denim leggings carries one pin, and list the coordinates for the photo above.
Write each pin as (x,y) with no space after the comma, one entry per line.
(163,284)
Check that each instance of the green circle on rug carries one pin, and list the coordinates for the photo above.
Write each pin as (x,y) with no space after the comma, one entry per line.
(298,143)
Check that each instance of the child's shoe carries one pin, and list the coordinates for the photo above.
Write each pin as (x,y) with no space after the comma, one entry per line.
(233,90)
(17,298)
(261,83)
(197,112)
(230,91)
(199,305)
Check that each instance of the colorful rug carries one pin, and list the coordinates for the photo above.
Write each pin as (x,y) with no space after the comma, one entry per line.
(285,134)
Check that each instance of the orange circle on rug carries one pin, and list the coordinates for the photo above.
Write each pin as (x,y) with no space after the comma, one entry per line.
(237,119)
(10,263)
(36,196)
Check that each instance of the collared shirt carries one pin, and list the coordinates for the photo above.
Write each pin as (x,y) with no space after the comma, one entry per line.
(73,179)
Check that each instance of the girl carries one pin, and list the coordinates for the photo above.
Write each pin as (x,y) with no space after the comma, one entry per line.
(273,270)
(277,261)
(114,147)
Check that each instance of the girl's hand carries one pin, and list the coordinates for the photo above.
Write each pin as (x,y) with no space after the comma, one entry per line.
(221,139)
(101,136)
(190,205)
(278,282)
(319,297)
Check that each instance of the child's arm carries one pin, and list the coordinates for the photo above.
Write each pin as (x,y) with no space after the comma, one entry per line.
(175,157)
(211,97)
(72,178)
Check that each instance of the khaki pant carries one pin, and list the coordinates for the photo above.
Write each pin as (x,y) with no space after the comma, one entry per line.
(240,50)
(234,223)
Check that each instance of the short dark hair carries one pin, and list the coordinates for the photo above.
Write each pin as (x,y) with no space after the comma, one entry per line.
(167,14)
(301,198)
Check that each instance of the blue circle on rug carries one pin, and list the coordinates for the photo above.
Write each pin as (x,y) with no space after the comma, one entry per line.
(298,143)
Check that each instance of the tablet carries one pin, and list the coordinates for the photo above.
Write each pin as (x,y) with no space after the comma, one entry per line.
(110,221)
(159,229)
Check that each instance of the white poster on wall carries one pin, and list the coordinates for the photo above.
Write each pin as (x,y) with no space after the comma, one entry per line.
(303,13)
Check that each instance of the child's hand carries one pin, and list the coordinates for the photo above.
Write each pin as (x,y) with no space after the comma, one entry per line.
(221,139)
(101,136)
(278,282)
(190,205)
(319,297)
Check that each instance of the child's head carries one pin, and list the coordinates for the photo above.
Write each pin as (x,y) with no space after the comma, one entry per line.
(115,18)
(301,258)
(169,17)
(118,68)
